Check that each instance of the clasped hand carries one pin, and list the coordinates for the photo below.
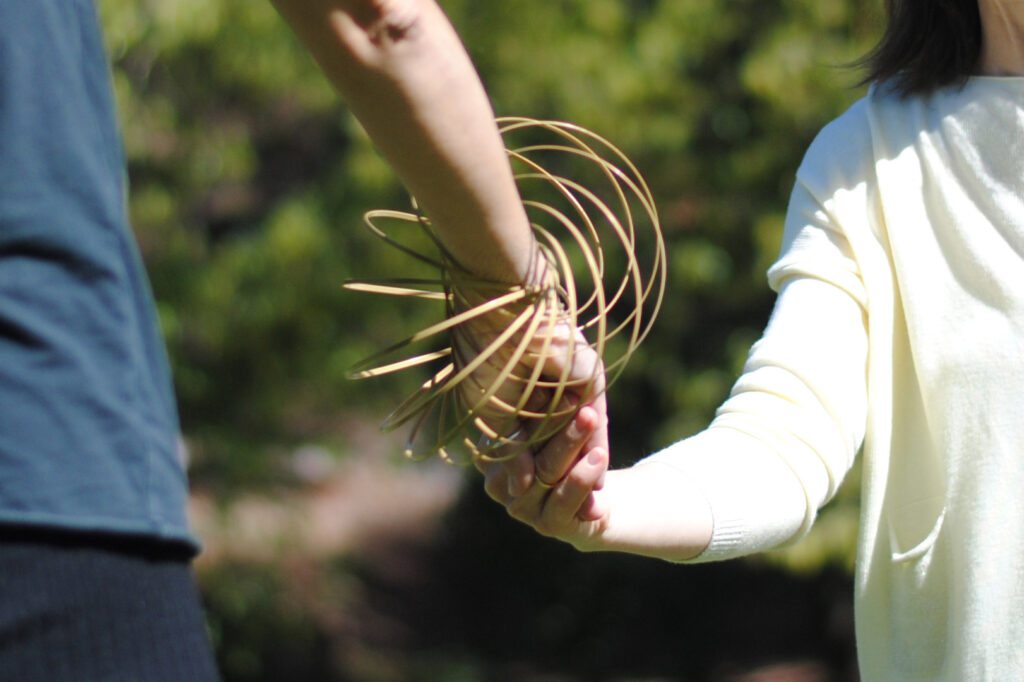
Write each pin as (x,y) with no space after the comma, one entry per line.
(555,486)
(562,487)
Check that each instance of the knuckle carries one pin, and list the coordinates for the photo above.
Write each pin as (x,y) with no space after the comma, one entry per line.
(546,475)
(518,509)
(577,478)
(496,489)
(521,464)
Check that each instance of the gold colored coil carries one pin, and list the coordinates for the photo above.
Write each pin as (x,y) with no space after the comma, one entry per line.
(605,280)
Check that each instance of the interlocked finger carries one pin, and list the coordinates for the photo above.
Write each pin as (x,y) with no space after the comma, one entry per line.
(561,452)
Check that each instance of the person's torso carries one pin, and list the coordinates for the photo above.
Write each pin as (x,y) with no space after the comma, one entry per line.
(88,427)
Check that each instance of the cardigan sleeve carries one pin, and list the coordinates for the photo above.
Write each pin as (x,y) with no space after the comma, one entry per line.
(781,444)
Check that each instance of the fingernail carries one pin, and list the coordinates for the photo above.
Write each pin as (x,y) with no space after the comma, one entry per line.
(595,457)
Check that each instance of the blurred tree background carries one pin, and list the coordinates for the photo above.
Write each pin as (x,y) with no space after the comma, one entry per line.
(248,180)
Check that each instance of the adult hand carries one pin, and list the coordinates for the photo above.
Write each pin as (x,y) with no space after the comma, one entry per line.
(518,353)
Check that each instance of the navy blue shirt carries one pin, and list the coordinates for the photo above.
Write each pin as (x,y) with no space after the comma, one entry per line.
(88,426)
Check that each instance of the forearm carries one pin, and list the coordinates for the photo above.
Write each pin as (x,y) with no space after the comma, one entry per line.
(404,73)
(781,445)
(753,481)
(651,511)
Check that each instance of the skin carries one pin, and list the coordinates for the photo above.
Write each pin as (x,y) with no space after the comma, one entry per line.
(1002,23)
(406,77)
(647,509)
(404,73)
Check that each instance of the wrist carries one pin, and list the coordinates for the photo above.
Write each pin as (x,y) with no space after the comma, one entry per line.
(655,512)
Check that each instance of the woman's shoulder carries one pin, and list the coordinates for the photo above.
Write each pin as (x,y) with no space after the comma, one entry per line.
(884,122)
(842,151)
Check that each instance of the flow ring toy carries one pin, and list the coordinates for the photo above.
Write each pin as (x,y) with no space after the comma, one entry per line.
(602,285)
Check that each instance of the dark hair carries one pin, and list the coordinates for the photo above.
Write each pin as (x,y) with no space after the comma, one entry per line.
(927,44)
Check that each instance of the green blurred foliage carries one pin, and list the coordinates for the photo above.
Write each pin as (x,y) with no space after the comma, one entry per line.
(248,179)
(261,629)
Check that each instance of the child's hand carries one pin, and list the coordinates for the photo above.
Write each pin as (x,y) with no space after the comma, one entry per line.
(557,490)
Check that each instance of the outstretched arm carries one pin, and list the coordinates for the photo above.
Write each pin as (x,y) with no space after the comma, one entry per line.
(405,75)
(752,481)
(649,509)
(403,71)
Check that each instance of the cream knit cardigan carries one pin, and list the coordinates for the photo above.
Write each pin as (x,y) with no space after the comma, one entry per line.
(899,326)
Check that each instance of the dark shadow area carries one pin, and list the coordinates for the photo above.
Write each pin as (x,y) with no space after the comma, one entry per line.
(488,599)
(492,590)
